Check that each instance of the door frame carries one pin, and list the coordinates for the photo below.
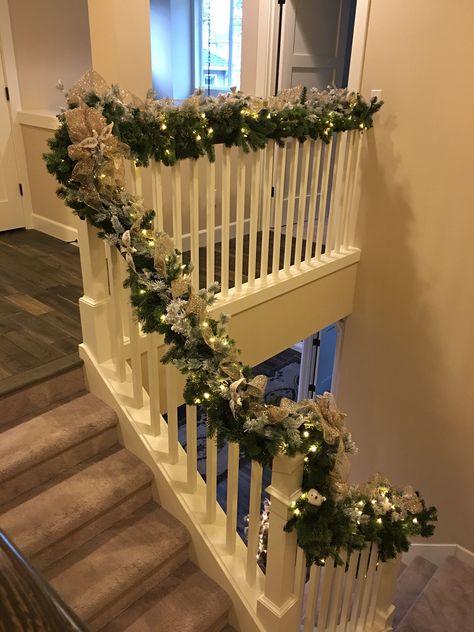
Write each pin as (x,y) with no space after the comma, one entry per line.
(7,54)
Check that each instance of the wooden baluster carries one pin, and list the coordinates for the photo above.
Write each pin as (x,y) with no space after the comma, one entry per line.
(177,206)
(334,203)
(154,383)
(136,358)
(302,202)
(385,609)
(191,447)
(325,594)
(240,223)
(351,224)
(157,190)
(232,495)
(339,573)
(172,413)
(368,585)
(255,507)
(278,607)
(266,205)
(211,479)
(313,199)
(225,223)
(347,596)
(280,188)
(348,175)
(312,599)
(358,589)
(116,329)
(323,198)
(254,212)
(194,221)
(210,222)
(290,210)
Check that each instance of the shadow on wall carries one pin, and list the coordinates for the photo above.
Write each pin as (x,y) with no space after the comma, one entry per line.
(393,372)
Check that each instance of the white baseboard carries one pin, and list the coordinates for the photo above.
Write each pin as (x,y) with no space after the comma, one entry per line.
(53,228)
(437,553)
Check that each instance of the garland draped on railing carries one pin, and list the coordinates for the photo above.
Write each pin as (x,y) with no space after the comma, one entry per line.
(104,126)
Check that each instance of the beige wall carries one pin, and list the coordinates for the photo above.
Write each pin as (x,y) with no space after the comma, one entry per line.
(407,369)
(50,43)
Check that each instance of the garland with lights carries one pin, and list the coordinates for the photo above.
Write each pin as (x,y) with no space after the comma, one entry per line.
(101,129)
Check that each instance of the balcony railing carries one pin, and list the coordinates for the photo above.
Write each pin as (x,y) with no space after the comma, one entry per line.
(257,224)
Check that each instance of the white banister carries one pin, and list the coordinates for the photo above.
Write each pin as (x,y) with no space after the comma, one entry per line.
(176,205)
(211,479)
(384,609)
(191,447)
(313,590)
(157,191)
(116,326)
(136,358)
(254,213)
(154,383)
(239,238)
(278,607)
(225,221)
(333,606)
(323,199)
(172,413)
(266,205)
(313,199)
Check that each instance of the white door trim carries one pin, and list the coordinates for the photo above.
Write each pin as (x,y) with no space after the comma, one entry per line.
(11,76)
(359,41)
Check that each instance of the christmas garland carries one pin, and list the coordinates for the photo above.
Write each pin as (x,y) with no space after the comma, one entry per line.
(104,126)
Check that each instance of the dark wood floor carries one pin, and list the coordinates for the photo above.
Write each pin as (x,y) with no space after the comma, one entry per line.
(40,286)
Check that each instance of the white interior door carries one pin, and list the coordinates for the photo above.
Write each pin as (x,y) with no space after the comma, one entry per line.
(11,209)
(314,42)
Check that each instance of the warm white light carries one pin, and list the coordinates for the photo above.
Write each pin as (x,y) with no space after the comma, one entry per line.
(212,339)
(162,318)
(206,395)
(163,126)
(198,137)
(313,448)
(305,434)
(297,512)
(415,521)
(379,520)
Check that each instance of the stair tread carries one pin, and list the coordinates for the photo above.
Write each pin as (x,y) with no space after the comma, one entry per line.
(410,584)
(118,559)
(188,601)
(60,508)
(32,442)
(447,602)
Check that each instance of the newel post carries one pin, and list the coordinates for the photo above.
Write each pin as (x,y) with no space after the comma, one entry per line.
(384,609)
(278,607)
(94,305)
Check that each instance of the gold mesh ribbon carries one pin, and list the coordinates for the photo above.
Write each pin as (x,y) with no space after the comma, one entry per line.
(179,286)
(164,246)
(196,305)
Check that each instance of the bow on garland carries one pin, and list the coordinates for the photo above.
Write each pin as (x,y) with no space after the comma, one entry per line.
(103,127)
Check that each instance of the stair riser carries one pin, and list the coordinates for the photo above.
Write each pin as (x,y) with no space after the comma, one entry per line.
(99,620)
(33,400)
(48,469)
(70,541)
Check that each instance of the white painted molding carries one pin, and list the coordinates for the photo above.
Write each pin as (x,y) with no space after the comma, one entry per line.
(437,553)
(53,228)
(8,54)
(45,119)
(359,41)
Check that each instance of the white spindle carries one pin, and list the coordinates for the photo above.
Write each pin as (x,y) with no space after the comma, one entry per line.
(137,188)
(154,383)
(290,209)
(347,595)
(210,222)
(211,479)
(157,191)
(311,603)
(325,594)
(172,413)
(176,205)
(349,231)
(323,198)
(348,176)
(339,573)
(136,360)
(334,205)
(300,574)
(254,211)
(239,237)
(358,589)
(225,221)
(374,593)
(280,188)
(313,199)
(344,139)
(368,586)
(115,282)
(254,520)
(302,201)
(194,221)
(191,447)
(232,495)
(266,205)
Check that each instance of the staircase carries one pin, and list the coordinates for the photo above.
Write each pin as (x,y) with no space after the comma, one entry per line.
(80,508)
(435,599)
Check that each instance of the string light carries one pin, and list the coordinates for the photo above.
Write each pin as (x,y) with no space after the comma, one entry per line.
(313,448)
(163,126)
(305,434)
(206,395)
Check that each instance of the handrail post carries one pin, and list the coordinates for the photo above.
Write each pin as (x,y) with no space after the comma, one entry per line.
(384,609)
(95,303)
(278,607)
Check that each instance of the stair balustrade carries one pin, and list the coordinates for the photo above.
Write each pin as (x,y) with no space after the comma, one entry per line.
(275,218)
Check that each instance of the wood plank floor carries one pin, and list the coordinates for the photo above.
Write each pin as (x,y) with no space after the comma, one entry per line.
(40,286)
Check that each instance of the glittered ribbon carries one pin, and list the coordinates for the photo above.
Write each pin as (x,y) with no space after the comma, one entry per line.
(164,246)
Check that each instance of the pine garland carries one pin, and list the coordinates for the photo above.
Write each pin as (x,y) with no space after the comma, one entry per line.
(104,126)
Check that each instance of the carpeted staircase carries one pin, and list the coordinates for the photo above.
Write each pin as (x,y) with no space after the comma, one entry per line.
(435,599)
(80,508)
